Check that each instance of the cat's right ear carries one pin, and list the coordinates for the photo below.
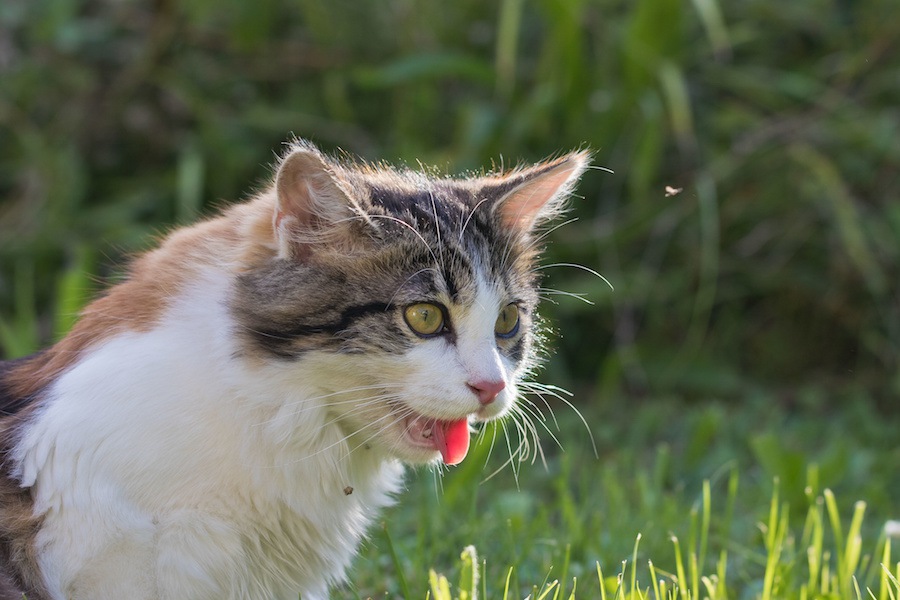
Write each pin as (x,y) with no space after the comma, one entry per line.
(530,196)
(310,200)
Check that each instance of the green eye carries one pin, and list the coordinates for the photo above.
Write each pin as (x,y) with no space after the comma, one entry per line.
(424,318)
(508,322)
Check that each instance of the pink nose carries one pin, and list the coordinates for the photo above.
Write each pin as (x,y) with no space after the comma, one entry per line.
(487,390)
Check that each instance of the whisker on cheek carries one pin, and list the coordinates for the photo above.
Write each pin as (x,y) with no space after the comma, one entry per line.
(363,443)
(314,404)
(561,395)
(399,417)
(511,461)
(528,407)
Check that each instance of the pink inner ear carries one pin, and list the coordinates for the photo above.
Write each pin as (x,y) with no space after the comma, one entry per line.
(525,205)
(541,192)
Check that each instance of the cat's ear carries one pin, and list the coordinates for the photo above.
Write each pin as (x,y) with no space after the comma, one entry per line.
(536,194)
(310,200)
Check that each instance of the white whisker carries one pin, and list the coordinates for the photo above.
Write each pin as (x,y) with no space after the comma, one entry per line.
(413,229)
(408,279)
(540,395)
(344,439)
(577,266)
(491,446)
(437,228)
(469,218)
(353,390)
(529,430)
(406,412)
(313,404)
(550,230)
(576,295)
(559,393)
(533,410)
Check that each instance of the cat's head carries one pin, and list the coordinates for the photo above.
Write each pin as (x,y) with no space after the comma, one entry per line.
(406,300)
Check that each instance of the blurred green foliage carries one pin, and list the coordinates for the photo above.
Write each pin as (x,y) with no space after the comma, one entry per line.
(774,267)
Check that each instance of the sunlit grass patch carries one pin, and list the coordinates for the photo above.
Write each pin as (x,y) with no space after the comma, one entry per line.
(798,563)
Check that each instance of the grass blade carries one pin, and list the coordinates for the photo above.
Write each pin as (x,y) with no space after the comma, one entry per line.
(468,574)
(398,566)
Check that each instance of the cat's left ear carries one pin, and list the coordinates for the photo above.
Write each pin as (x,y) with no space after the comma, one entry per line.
(311,202)
(536,194)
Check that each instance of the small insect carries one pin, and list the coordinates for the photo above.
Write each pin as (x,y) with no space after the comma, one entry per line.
(348,490)
(672,191)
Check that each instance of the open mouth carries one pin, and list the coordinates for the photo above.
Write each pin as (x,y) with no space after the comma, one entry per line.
(450,438)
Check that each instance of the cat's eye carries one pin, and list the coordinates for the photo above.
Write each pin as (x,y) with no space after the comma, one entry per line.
(424,318)
(507,324)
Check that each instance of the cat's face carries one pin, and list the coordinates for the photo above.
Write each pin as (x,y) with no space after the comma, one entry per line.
(412,298)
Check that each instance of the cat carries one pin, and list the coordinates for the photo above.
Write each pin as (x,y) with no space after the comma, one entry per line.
(228,420)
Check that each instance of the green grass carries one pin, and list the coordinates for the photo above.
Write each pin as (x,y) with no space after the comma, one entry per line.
(668,510)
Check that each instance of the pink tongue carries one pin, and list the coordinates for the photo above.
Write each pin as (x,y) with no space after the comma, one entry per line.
(452,439)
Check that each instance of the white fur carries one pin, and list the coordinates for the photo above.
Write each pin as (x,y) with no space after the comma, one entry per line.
(167,466)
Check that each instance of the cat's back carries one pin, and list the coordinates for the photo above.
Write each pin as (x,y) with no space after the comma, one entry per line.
(19,573)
